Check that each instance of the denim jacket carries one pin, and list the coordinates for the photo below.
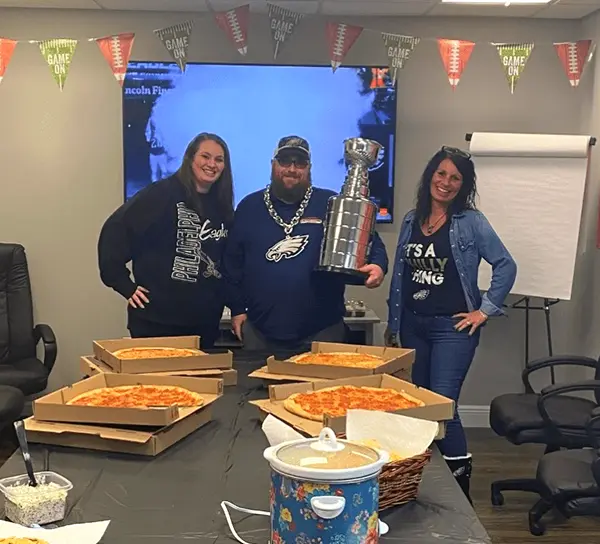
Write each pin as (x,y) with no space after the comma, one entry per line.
(471,239)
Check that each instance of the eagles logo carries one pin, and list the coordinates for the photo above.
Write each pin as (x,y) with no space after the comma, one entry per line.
(421,295)
(288,248)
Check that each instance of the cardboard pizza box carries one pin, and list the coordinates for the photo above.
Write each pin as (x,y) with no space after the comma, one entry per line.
(141,441)
(90,366)
(395,360)
(104,351)
(263,374)
(54,407)
(437,408)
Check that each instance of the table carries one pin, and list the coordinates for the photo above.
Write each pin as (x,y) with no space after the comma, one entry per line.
(175,497)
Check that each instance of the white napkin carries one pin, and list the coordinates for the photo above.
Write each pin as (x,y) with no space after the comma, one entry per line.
(277,432)
(402,435)
(80,533)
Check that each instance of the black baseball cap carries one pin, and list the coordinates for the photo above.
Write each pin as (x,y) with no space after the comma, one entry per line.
(292,144)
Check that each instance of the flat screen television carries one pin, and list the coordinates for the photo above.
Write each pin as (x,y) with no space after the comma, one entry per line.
(251,107)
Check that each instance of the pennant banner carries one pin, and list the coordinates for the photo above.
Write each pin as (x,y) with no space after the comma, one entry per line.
(398,50)
(455,56)
(283,23)
(514,57)
(117,50)
(7,48)
(176,39)
(235,24)
(58,53)
(341,38)
(573,57)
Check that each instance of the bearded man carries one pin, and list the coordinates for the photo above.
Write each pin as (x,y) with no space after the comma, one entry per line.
(279,300)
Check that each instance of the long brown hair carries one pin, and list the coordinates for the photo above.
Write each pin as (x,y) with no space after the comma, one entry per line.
(222,189)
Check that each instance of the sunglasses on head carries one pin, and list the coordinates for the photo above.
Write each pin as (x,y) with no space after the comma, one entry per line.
(456,152)
(286,162)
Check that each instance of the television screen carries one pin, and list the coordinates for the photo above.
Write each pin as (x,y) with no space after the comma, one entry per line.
(251,107)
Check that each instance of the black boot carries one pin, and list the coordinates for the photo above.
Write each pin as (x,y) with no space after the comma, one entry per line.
(461,468)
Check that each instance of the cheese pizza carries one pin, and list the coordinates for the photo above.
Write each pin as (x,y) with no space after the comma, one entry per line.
(138,396)
(155,353)
(22,540)
(339,358)
(336,401)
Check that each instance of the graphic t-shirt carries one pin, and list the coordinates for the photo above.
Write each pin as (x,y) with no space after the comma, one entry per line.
(431,282)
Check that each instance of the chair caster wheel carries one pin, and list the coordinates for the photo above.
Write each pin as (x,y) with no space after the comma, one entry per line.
(497,498)
(536,529)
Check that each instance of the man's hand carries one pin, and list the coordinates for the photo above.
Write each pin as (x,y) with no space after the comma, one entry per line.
(375,275)
(390,339)
(237,322)
(138,298)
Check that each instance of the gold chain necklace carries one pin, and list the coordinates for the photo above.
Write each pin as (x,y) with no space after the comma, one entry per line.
(430,227)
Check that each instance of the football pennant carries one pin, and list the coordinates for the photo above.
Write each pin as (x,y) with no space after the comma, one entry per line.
(341,38)
(514,57)
(398,50)
(235,24)
(7,48)
(574,57)
(117,50)
(58,53)
(283,23)
(176,40)
(455,56)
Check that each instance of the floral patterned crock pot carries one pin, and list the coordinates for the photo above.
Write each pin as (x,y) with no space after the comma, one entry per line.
(324,491)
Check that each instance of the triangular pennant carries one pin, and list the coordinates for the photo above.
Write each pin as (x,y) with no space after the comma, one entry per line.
(176,40)
(455,56)
(514,57)
(341,38)
(235,24)
(283,23)
(117,50)
(58,53)
(398,49)
(7,48)
(574,57)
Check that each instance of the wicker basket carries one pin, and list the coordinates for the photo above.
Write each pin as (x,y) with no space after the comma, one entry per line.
(399,481)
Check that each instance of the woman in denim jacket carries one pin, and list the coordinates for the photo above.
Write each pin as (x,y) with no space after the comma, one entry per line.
(435,305)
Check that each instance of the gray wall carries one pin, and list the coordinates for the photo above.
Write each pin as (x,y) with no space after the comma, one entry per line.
(62,161)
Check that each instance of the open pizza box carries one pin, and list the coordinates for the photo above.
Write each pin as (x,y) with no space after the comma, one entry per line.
(54,407)
(437,408)
(394,360)
(263,374)
(104,351)
(90,366)
(146,441)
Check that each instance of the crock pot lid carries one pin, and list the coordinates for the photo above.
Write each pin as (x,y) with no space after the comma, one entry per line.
(327,453)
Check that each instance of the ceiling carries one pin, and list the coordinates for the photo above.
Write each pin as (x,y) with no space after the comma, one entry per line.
(558,9)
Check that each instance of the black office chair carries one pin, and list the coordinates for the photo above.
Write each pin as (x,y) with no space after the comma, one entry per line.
(19,366)
(516,417)
(569,479)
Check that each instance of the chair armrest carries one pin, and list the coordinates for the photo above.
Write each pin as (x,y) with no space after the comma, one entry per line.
(552,391)
(556,360)
(46,335)
(593,428)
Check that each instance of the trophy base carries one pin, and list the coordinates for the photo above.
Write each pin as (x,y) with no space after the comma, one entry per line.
(341,270)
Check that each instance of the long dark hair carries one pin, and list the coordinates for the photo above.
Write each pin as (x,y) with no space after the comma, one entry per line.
(222,189)
(464,200)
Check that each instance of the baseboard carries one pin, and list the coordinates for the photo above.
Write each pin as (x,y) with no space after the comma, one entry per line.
(475,416)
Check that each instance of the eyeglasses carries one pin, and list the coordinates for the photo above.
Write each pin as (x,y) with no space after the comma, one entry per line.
(299,162)
(456,151)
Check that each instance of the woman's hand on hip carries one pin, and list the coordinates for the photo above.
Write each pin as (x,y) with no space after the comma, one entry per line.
(472,320)
(138,298)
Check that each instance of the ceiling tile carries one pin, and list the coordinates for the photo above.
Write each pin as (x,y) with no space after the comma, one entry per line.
(567,11)
(67,4)
(154,5)
(374,8)
(466,10)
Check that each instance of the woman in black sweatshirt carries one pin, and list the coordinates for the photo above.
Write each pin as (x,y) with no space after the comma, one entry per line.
(173,232)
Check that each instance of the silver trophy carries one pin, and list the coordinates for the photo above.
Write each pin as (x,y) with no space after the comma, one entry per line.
(351,215)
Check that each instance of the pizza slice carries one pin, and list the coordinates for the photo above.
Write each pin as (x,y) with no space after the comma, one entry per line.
(139,396)
(339,358)
(155,353)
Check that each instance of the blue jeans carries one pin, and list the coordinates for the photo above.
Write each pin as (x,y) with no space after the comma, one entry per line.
(442,359)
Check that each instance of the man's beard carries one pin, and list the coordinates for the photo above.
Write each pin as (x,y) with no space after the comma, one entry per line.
(291,195)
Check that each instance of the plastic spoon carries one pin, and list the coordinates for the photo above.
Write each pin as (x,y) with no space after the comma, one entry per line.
(20,429)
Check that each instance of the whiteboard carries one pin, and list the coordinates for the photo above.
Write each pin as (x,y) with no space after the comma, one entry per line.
(531,189)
